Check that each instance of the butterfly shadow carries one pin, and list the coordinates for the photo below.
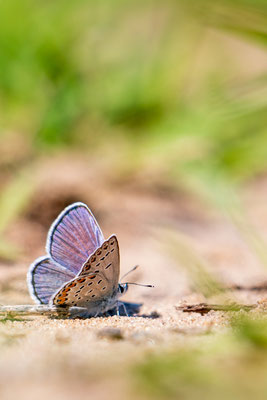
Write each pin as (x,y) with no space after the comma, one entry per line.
(132,310)
(126,309)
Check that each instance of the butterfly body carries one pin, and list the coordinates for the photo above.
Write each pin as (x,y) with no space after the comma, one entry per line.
(81,268)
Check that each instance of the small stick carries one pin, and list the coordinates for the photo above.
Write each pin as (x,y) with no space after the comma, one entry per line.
(204,308)
(50,311)
(260,287)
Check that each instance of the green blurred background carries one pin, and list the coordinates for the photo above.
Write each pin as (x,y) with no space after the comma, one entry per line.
(175,86)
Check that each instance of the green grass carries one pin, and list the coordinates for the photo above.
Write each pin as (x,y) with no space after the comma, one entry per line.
(74,74)
(160,84)
(230,365)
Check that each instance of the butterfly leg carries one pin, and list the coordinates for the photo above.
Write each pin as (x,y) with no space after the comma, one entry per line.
(125,310)
(120,303)
(118,309)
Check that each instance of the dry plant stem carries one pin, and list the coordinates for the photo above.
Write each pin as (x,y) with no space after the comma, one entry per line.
(50,311)
(204,308)
(261,287)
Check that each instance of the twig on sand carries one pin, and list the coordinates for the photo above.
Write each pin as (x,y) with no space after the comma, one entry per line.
(50,311)
(204,308)
(261,287)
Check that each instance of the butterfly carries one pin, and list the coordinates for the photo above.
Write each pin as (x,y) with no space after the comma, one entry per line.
(81,268)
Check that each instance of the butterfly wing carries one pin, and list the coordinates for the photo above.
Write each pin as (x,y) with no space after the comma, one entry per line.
(45,277)
(73,236)
(105,260)
(92,289)
(97,283)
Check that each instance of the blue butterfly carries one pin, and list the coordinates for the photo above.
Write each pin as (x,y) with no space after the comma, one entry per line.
(81,268)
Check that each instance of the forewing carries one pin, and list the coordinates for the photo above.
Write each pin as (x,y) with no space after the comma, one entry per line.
(45,278)
(105,260)
(73,237)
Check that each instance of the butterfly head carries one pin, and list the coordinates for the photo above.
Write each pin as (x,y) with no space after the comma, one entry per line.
(123,287)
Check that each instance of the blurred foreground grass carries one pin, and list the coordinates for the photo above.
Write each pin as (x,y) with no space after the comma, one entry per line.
(223,366)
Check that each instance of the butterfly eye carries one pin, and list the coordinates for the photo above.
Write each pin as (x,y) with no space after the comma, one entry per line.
(122,288)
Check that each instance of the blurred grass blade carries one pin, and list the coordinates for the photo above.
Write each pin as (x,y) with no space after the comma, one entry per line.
(251,330)
(224,196)
(8,251)
(196,267)
(246,18)
(13,199)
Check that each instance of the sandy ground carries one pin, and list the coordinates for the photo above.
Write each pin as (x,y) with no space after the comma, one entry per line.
(65,359)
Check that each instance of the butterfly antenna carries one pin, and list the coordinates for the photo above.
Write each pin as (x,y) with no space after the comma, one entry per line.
(131,270)
(138,284)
